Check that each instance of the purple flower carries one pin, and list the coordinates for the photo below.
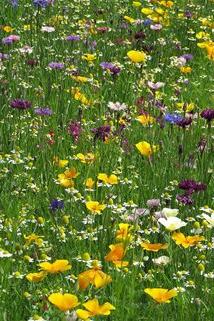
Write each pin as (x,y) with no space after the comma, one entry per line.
(153,203)
(32,62)
(208,114)
(192,186)
(172,118)
(14,3)
(73,38)
(102,132)
(42,3)
(155,86)
(10,39)
(56,65)
(184,122)
(188,14)
(3,56)
(74,129)
(56,204)
(43,111)
(139,35)
(185,199)
(20,104)
(111,67)
(187,57)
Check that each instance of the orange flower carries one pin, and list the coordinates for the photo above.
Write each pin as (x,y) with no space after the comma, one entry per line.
(161,295)
(55,267)
(116,255)
(93,308)
(64,302)
(186,241)
(153,247)
(93,276)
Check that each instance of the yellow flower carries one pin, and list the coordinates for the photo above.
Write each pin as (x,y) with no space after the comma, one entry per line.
(124,232)
(136,56)
(33,238)
(60,162)
(161,295)
(89,183)
(129,19)
(186,107)
(7,29)
(93,276)
(136,4)
(36,277)
(146,149)
(111,179)
(64,302)
(66,179)
(26,27)
(88,158)
(95,207)
(147,11)
(145,119)
(80,78)
(89,57)
(167,4)
(55,267)
(186,241)
(202,35)
(81,97)
(93,308)
(186,69)
(153,247)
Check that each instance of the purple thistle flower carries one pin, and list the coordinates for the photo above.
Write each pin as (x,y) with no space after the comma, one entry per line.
(208,114)
(185,199)
(43,111)
(184,122)
(56,204)
(20,104)
(102,132)
(192,186)
(56,65)
(74,129)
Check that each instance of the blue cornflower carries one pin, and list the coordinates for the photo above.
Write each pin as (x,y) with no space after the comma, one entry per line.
(41,3)
(172,118)
(56,204)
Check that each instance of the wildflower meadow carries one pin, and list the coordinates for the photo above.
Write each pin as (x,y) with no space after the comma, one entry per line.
(106,160)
